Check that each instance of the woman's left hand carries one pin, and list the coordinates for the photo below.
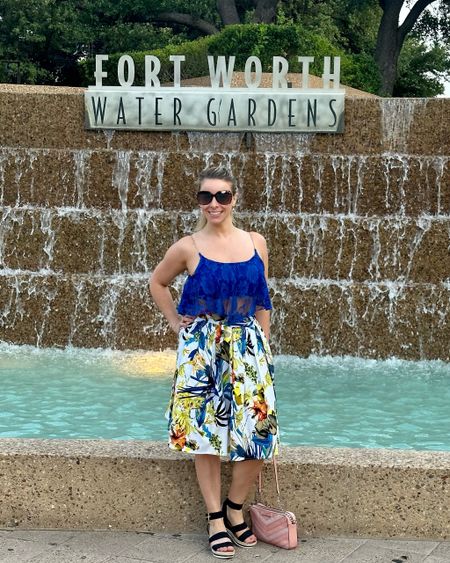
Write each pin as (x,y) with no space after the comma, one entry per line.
(185,321)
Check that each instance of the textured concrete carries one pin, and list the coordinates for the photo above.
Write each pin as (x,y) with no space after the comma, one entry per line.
(50,546)
(141,486)
(358,225)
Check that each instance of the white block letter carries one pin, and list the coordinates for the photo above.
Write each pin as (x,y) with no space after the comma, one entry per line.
(177,60)
(305,69)
(125,60)
(280,69)
(99,72)
(152,68)
(249,82)
(328,75)
(222,71)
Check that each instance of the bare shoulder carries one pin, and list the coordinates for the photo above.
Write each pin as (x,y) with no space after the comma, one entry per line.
(258,237)
(175,261)
(259,240)
(183,248)
(185,242)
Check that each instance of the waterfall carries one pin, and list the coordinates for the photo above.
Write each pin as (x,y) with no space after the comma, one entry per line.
(358,229)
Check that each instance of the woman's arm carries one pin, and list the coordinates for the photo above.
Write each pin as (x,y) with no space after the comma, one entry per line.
(173,263)
(263,315)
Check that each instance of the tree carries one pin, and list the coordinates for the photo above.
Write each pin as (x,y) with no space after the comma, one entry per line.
(41,41)
(350,23)
(40,36)
(391,36)
(370,28)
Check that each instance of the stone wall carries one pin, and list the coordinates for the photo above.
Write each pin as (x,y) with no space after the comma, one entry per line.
(358,225)
(140,485)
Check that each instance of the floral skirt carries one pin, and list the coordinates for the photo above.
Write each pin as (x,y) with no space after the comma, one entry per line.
(223,396)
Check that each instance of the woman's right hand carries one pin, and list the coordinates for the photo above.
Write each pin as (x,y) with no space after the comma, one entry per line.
(182,322)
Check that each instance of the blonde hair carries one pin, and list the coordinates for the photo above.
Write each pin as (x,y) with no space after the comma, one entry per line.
(213,173)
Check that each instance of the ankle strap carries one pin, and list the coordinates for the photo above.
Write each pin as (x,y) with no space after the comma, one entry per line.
(214,515)
(233,505)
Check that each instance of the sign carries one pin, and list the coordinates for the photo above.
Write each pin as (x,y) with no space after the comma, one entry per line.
(283,108)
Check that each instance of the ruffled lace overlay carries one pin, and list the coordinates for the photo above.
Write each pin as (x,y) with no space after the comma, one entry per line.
(232,290)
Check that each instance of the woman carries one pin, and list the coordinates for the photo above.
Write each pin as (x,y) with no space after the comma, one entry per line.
(223,399)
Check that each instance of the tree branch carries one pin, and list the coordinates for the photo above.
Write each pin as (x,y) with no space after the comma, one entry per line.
(187,19)
(412,17)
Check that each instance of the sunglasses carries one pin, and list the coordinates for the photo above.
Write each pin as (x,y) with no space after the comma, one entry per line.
(223,197)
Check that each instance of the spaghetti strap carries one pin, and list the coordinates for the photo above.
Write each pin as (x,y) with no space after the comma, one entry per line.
(253,242)
(196,248)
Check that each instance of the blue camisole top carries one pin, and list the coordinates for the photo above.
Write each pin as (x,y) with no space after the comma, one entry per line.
(231,290)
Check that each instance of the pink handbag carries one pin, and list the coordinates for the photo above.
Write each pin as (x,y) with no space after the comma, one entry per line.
(273,525)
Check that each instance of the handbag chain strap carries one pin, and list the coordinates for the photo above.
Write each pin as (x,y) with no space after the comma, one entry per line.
(259,487)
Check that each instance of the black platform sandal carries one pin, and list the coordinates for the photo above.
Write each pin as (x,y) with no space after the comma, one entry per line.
(233,530)
(219,536)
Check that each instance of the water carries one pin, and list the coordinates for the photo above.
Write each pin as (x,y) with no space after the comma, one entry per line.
(79,393)
(365,403)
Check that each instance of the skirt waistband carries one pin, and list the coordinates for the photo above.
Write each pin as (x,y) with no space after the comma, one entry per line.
(245,321)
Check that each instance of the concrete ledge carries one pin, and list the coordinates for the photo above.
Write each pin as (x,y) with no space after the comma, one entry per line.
(141,485)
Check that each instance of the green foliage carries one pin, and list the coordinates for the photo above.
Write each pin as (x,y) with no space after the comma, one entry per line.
(421,70)
(127,37)
(39,34)
(358,24)
(268,40)
(434,24)
(360,71)
(349,24)
(316,17)
(41,41)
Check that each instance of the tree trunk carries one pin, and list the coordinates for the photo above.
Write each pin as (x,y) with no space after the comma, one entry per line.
(391,37)
(265,11)
(387,50)
(228,12)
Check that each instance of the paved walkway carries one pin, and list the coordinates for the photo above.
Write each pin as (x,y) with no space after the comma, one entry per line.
(60,546)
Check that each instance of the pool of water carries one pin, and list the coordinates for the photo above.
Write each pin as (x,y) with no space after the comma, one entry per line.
(323,401)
